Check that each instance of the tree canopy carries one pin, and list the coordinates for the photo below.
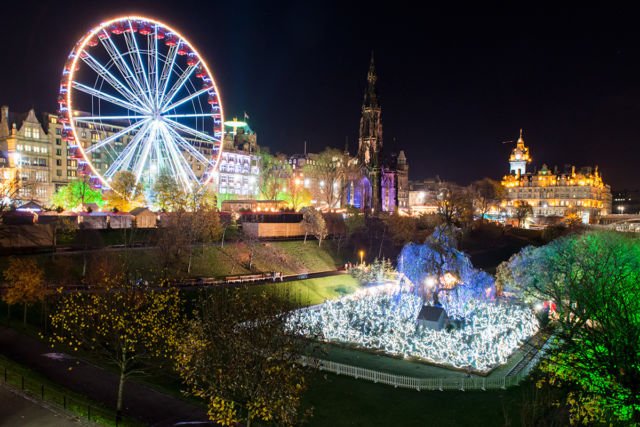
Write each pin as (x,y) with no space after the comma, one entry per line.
(126,192)
(121,322)
(242,356)
(591,282)
(77,193)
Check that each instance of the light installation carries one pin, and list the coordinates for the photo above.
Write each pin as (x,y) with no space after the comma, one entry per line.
(137,96)
(384,319)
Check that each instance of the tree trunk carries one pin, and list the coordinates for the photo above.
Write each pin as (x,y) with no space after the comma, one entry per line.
(84,263)
(222,240)
(120,395)
(24,315)
(248,419)
(305,238)
(9,315)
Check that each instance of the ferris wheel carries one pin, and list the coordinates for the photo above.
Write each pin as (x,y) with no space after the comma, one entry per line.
(136,96)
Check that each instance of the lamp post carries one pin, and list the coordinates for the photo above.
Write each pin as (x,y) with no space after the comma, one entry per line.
(361,253)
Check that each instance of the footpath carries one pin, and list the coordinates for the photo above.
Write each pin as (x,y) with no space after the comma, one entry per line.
(140,401)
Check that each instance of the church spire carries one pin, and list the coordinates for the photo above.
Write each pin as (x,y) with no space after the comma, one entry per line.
(370,96)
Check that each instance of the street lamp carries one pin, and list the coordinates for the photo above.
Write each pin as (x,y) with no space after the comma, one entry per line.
(361,253)
(620,209)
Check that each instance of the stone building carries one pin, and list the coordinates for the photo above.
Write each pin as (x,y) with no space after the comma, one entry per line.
(239,170)
(27,152)
(555,193)
(423,196)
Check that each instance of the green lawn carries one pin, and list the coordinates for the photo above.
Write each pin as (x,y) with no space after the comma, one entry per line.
(342,401)
(318,290)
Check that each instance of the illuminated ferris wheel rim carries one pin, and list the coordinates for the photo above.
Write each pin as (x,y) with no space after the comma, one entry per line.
(105,27)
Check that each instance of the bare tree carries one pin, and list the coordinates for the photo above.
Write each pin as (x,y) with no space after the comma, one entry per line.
(522,211)
(486,193)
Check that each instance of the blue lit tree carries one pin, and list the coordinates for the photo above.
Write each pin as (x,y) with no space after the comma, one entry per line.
(439,265)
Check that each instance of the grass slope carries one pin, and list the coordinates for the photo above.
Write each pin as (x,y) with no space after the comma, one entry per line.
(209,261)
(341,401)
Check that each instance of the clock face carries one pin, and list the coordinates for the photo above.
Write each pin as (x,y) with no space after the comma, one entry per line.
(518,156)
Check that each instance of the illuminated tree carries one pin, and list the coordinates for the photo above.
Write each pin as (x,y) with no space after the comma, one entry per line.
(167,193)
(592,281)
(126,193)
(454,205)
(26,284)
(122,323)
(571,218)
(274,174)
(486,193)
(296,195)
(10,186)
(437,266)
(77,193)
(242,356)
(313,223)
(195,220)
(333,168)
(523,210)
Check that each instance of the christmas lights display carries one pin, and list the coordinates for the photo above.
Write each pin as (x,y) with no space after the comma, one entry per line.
(482,335)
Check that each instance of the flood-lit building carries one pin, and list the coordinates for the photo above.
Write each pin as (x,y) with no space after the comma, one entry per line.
(552,192)
(239,171)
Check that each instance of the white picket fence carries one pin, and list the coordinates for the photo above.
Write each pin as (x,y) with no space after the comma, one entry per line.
(445,383)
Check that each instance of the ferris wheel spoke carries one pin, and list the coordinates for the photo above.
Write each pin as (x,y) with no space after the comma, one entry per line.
(144,152)
(138,66)
(155,44)
(192,150)
(186,116)
(166,73)
(123,67)
(127,154)
(185,172)
(123,89)
(115,136)
(187,129)
(184,77)
(106,97)
(98,119)
(183,100)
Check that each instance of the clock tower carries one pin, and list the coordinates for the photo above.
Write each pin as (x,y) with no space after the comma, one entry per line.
(519,158)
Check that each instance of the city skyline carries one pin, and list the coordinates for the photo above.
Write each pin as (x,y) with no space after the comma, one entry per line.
(448,99)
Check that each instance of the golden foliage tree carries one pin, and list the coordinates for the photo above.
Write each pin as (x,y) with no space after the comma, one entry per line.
(126,192)
(26,283)
(241,355)
(121,322)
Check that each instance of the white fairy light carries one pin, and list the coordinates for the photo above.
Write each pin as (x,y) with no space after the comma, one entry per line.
(384,319)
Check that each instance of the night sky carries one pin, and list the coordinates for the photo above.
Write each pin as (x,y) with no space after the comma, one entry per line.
(453,83)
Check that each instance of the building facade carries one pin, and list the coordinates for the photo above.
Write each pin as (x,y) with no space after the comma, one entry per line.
(239,170)
(554,193)
(423,196)
(28,154)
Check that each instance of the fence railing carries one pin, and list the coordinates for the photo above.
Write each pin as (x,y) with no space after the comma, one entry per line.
(58,399)
(444,383)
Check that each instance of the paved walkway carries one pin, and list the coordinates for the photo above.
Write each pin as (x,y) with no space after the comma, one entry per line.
(140,401)
(17,410)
